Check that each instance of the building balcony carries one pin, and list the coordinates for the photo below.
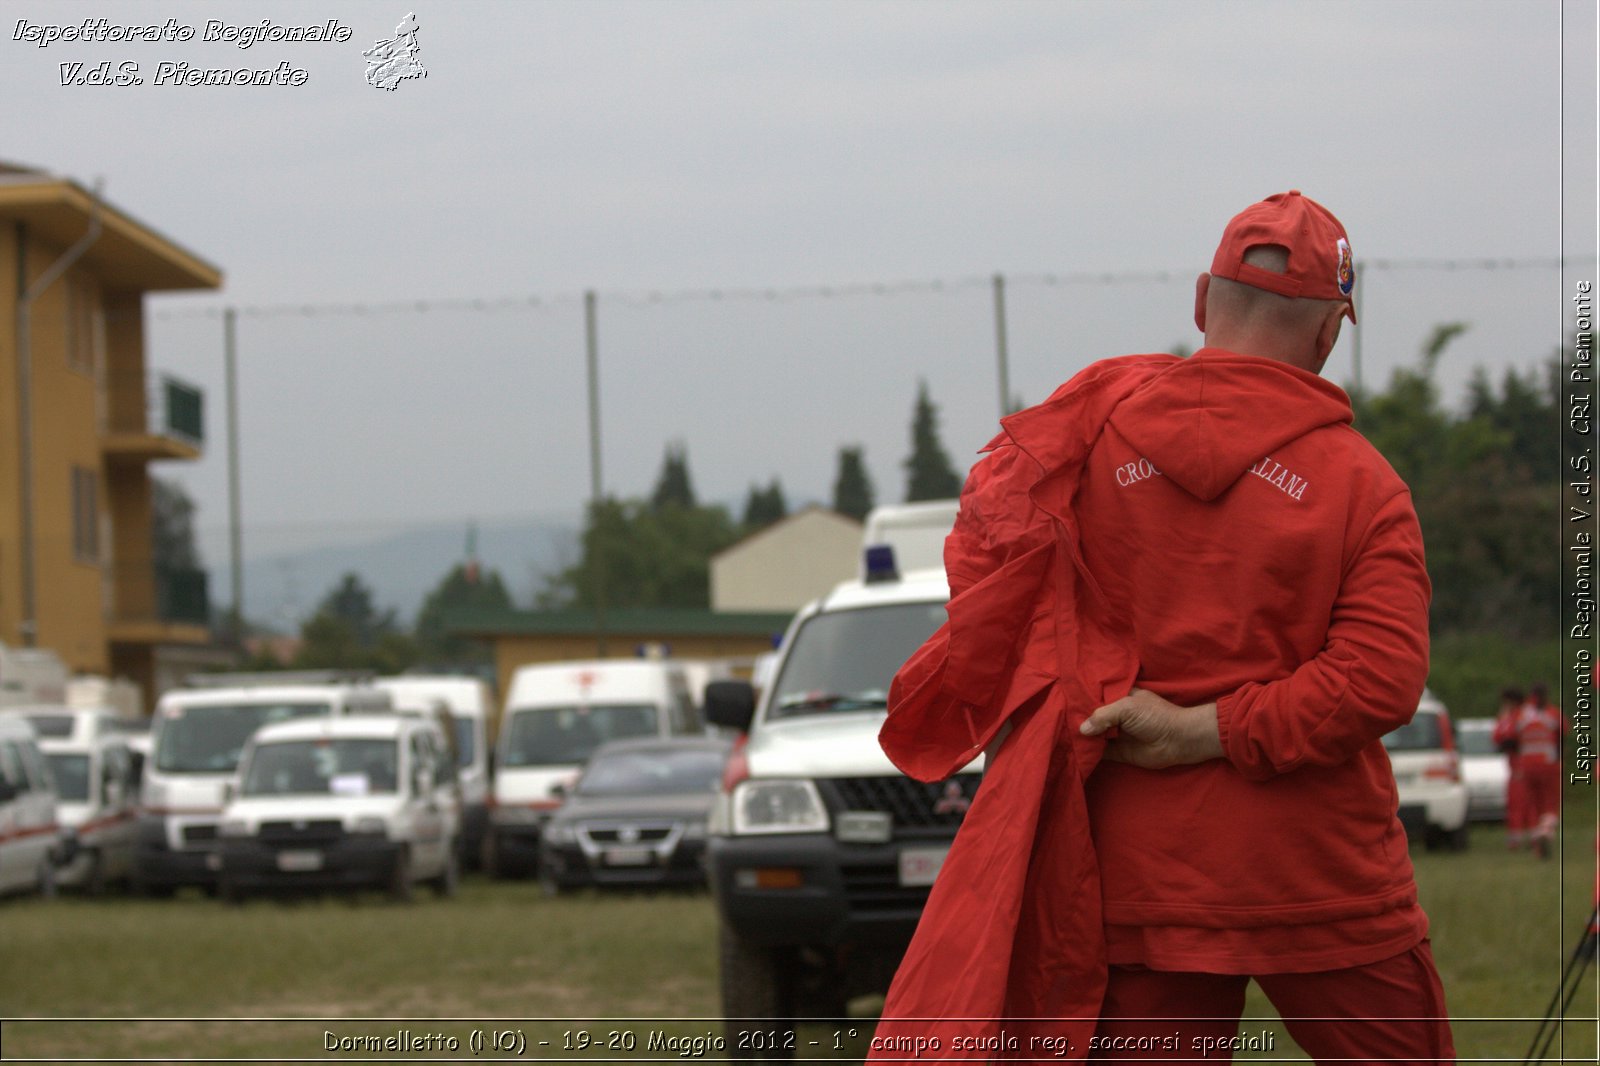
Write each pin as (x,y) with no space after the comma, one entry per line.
(176,411)
(155,605)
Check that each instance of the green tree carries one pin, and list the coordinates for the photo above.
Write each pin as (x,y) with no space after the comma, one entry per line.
(673,487)
(172,543)
(1485,506)
(638,555)
(463,588)
(349,632)
(764,506)
(852,488)
(929,473)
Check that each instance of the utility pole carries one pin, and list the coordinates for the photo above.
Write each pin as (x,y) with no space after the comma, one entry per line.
(1000,343)
(592,345)
(235,526)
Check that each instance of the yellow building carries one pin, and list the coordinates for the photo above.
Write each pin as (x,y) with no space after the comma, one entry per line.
(78,431)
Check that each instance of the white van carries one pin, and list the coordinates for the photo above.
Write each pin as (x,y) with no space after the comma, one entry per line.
(556,714)
(196,741)
(467,701)
(97,787)
(29,832)
(367,801)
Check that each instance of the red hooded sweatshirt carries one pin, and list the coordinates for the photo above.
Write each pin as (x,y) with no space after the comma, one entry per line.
(1210,529)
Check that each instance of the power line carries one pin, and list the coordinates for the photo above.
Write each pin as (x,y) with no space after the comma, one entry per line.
(774,294)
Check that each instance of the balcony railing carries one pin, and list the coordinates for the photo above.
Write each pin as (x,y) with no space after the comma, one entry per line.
(178,411)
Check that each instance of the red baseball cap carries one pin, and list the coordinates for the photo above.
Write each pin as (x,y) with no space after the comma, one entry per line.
(1320,263)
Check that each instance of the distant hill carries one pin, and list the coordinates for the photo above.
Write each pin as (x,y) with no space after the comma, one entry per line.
(401,568)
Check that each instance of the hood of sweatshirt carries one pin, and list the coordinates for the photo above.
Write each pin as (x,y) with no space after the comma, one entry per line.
(1208,419)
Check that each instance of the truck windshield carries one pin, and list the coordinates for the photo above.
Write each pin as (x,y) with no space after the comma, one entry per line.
(208,740)
(344,767)
(564,736)
(72,776)
(844,660)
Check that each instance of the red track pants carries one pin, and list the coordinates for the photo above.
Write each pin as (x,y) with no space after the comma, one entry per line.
(1389,1012)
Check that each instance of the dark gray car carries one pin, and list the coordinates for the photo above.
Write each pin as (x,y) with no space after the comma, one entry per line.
(636,817)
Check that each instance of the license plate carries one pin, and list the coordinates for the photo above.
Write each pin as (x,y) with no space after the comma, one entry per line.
(919,866)
(299,861)
(629,856)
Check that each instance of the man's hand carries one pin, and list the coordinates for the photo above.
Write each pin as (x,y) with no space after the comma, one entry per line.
(1156,734)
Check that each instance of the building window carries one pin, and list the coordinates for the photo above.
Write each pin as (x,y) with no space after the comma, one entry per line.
(83,323)
(85,515)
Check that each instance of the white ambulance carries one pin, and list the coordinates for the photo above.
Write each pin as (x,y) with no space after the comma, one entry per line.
(30,835)
(466,700)
(198,735)
(556,714)
(97,786)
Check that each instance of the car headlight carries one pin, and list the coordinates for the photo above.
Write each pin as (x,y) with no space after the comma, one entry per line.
(560,833)
(694,831)
(791,806)
(233,827)
(372,824)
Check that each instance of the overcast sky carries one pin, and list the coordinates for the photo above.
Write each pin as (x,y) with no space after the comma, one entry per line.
(672,148)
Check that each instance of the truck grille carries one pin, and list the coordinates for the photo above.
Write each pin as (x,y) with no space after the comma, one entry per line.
(876,887)
(320,831)
(912,804)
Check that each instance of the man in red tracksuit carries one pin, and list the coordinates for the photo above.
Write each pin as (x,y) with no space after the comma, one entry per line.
(1538,727)
(1505,739)
(1188,600)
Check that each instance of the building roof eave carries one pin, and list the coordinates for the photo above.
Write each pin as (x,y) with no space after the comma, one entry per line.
(127,255)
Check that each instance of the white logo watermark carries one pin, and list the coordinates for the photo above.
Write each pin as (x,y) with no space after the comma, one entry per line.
(392,61)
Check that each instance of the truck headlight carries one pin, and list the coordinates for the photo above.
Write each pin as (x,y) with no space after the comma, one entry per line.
(792,806)
(371,824)
(233,827)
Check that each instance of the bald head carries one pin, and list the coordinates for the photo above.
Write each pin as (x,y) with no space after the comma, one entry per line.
(1242,318)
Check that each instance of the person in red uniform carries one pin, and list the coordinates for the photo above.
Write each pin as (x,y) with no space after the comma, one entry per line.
(1539,727)
(1187,601)
(1505,739)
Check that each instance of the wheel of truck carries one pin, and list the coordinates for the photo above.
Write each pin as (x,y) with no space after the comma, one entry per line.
(229,889)
(94,878)
(143,886)
(45,878)
(490,860)
(400,887)
(757,998)
(448,882)
(1459,838)
(1433,837)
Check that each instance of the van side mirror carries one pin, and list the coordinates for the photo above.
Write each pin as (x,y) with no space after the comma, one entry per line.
(229,791)
(731,704)
(8,791)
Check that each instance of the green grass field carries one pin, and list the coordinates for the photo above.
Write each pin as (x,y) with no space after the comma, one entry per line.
(599,968)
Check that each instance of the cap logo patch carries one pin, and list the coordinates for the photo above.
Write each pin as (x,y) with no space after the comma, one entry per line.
(1347,268)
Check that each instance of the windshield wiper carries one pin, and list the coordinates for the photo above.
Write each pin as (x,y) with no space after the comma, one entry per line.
(834,701)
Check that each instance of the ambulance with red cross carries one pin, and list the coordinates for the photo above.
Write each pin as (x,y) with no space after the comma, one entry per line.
(556,714)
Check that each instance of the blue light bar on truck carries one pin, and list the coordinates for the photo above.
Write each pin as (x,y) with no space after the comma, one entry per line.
(880,564)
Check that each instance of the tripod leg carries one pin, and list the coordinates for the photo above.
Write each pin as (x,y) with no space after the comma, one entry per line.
(1581,956)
